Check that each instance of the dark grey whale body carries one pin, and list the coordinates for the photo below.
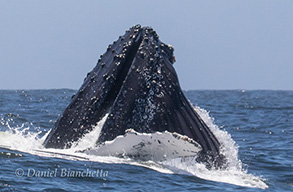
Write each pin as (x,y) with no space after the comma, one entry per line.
(135,83)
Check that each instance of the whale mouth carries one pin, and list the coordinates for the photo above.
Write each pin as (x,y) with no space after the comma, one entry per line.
(135,83)
(123,61)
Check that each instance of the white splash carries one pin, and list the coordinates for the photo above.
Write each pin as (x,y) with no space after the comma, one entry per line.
(228,146)
(89,139)
(230,175)
(20,138)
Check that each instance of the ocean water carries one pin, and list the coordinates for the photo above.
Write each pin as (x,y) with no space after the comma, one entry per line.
(255,128)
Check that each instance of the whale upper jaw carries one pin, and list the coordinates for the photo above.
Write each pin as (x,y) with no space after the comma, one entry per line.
(135,82)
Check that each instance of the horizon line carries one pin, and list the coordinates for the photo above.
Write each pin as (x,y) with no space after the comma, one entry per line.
(238,89)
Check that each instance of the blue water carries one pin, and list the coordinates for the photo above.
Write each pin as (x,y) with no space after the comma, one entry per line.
(260,122)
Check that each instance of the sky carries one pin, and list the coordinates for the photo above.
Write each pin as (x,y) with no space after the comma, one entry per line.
(228,44)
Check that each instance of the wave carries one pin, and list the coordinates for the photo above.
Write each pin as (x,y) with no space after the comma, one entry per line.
(166,152)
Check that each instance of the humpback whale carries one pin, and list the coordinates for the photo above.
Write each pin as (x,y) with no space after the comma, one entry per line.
(135,83)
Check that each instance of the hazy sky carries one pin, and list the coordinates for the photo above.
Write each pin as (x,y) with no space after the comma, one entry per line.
(218,44)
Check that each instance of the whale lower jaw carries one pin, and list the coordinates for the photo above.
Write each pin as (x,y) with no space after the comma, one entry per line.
(158,146)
